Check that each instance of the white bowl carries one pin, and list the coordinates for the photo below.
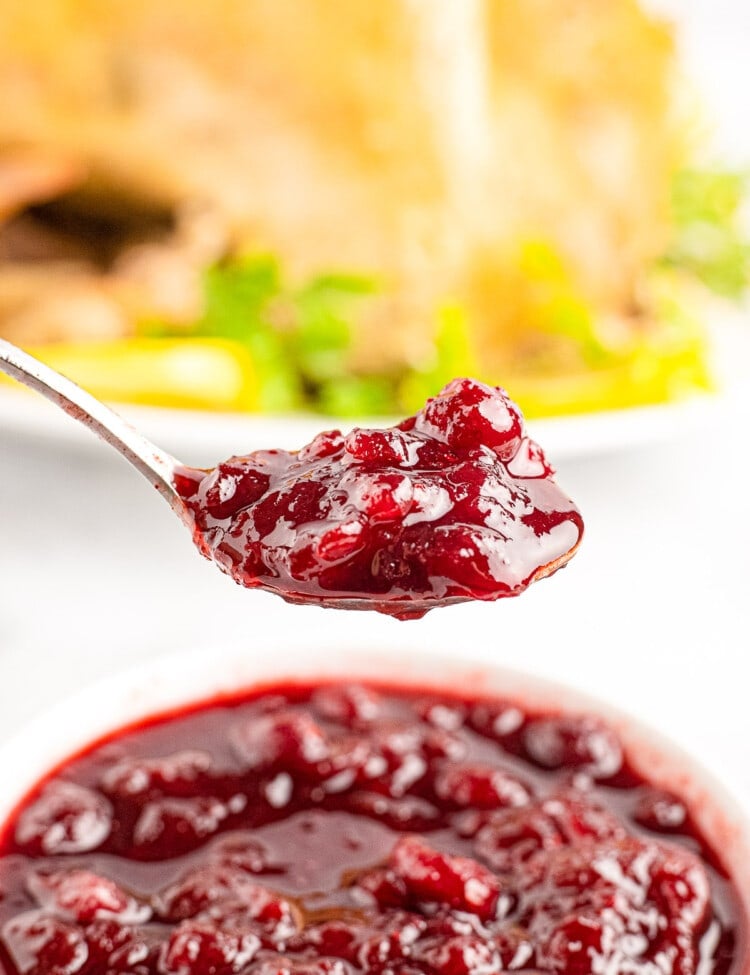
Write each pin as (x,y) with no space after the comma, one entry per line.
(173,681)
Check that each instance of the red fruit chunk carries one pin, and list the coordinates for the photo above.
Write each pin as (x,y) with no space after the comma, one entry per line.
(225,891)
(511,836)
(465,955)
(529,461)
(289,740)
(680,885)
(480,786)
(579,818)
(339,939)
(233,486)
(496,719)
(43,945)
(114,947)
(348,704)
(454,503)
(409,812)
(573,742)
(202,948)
(391,944)
(660,811)
(281,965)
(389,448)
(456,881)
(179,824)
(201,888)
(576,945)
(174,774)
(386,887)
(83,896)
(467,413)
(614,905)
(66,818)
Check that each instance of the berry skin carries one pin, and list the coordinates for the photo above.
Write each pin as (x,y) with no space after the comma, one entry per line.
(468,413)
(66,818)
(571,742)
(457,881)
(203,948)
(83,896)
(480,787)
(43,945)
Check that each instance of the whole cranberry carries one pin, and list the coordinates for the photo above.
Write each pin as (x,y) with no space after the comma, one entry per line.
(83,896)
(203,948)
(456,881)
(66,818)
(467,413)
(39,944)
(573,742)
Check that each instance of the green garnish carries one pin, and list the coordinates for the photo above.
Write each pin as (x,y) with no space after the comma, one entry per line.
(709,242)
(299,337)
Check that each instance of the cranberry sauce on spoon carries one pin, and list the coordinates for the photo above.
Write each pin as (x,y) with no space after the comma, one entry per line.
(335,830)
(454,503)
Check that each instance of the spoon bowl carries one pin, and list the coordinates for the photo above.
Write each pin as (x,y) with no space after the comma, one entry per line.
(451,504)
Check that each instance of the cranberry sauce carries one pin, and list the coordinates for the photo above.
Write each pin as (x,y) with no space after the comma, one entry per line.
(454,503)
(333,830)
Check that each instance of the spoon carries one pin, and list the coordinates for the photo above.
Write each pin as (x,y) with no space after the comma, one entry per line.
(155,464)
(370,520)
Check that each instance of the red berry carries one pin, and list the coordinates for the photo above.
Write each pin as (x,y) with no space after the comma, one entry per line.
(455,881)
(202,948)
(467,413)
(179,824)
(42,945)
(388,448)
(285,739)
(347,704)
(660,811)
(465,955)
(480,786)
(574,742)
(81,895)
(233,486)
(174,774)
(66,818)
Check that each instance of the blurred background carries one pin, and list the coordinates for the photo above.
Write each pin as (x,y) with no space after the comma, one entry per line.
(243,221)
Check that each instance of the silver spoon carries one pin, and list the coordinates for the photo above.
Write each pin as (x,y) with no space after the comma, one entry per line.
(164,472)
(156,465)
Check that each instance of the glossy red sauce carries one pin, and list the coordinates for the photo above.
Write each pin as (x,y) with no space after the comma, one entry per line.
(335,830)
(454,503)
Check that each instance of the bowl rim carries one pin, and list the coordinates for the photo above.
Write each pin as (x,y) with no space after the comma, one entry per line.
(173,681)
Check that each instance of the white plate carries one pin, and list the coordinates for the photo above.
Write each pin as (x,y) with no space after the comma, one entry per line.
(202,438)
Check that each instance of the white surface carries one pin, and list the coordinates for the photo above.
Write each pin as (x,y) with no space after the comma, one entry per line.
(653,614)
(713,38)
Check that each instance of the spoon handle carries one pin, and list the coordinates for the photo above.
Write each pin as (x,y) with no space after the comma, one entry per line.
(156,465)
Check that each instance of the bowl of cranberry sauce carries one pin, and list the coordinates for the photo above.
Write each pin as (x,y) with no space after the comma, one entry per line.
(382,816)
